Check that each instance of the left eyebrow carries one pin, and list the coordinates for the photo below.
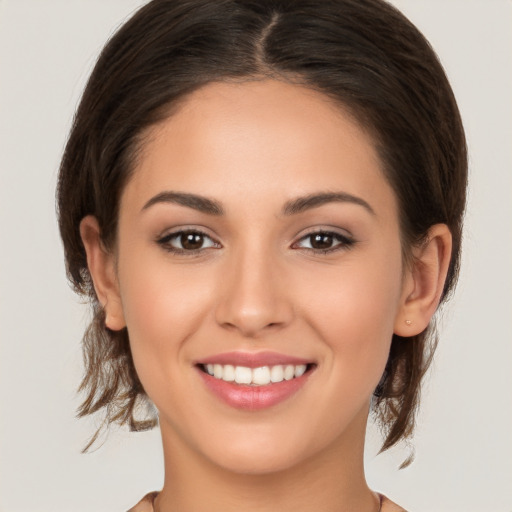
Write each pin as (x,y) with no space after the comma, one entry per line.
(301,204)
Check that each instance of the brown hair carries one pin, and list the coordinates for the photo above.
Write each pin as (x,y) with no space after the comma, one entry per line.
(364,54)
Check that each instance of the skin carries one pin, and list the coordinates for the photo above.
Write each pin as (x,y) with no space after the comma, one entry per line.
(258,284)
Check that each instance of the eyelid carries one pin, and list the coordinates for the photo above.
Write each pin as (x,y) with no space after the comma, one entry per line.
(164,240)
(334,230)
(346,240)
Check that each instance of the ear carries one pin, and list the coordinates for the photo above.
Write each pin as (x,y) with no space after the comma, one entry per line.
(101,265)
(424,282)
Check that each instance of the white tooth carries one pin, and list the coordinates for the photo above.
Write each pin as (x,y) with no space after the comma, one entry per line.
(209,368)
(300,369)
(261,375)
(217,371)
(229,373)
(276,373)
(289,372)
(243,375)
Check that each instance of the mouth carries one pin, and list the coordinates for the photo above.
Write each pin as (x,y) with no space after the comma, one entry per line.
(259,376)
(254,382)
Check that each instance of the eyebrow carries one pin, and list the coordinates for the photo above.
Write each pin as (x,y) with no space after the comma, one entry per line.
(292,207)
(304,203)
(201,203)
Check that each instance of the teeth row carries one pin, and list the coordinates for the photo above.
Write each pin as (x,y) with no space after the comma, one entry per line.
(255,376)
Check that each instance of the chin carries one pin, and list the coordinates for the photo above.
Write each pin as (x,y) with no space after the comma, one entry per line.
(263,450)
(250,462)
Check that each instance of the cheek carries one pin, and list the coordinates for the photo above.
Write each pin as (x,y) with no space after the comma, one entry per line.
(163,303)
(355,313)
(163,308)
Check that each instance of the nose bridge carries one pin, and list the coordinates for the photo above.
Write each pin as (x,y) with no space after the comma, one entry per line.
(252,299)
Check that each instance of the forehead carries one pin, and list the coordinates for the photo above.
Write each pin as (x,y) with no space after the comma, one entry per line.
(258,137)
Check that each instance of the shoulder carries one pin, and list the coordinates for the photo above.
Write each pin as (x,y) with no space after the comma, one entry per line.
(145,504)
(388,506)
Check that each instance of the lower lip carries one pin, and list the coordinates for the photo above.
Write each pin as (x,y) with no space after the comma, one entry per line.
(253,398)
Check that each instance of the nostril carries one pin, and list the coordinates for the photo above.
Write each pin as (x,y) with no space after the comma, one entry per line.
(251,298)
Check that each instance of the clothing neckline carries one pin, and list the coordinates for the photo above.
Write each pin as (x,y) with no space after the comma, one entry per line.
(147,504)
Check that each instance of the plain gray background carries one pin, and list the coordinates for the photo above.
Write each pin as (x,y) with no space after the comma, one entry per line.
(464,438)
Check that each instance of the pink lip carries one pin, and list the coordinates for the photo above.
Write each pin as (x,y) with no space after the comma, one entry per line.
(253,398)
(252,359)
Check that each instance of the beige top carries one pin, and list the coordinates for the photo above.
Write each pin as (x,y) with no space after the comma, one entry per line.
(146,504)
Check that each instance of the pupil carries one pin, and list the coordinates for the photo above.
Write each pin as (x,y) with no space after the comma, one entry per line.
(191,241)
(321,241)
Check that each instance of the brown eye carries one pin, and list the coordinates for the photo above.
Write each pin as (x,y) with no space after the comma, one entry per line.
(186,241)
(324,241)
(321,240)
(191,241)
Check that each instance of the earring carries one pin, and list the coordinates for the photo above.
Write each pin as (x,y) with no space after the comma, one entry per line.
(408,322)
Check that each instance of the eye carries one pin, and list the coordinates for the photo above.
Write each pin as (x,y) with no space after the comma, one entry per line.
(324,241)
(187,241)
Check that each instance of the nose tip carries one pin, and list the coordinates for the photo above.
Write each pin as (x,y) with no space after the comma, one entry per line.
(253,300)
(251,322)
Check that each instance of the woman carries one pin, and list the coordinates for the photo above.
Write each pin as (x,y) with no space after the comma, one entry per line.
(263,201)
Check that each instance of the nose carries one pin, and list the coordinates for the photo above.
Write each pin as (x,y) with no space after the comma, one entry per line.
(254,297)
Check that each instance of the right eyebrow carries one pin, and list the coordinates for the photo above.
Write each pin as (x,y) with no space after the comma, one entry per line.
(200,203)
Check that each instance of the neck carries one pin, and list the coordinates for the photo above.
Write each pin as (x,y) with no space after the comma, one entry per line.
(331,481)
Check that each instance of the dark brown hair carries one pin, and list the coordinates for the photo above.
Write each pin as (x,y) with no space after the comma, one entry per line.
(363,54)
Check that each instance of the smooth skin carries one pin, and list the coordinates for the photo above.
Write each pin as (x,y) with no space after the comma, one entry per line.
(253,278)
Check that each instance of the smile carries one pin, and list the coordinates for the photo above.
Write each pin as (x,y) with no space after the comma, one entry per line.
(254,381)
(261,376)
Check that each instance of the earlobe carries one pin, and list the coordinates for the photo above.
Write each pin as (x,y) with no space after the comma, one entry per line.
(424,282)
(101,266)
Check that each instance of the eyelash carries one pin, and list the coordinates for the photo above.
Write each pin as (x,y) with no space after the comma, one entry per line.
(165,242)
(344,242)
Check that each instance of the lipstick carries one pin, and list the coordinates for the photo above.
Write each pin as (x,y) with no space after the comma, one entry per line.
(252,359)
(254,380)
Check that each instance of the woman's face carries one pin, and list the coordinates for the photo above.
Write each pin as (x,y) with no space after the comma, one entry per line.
(258,239)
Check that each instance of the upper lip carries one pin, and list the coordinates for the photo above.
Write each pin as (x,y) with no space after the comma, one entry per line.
(252,359)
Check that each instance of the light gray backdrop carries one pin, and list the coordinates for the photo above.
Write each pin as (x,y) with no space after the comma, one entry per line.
(464,439)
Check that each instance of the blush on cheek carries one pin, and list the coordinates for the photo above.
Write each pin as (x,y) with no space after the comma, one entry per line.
(356,320)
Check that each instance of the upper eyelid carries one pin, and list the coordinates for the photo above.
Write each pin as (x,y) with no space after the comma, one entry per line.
(328,230)
(164,241)
(345,241)
(335,235)
(170,232)
(337,232)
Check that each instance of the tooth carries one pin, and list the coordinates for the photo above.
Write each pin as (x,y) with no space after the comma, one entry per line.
(289,372)
(261,375)
(300,369)
(229,373)
(217,371)
(276,373)
(243,375)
